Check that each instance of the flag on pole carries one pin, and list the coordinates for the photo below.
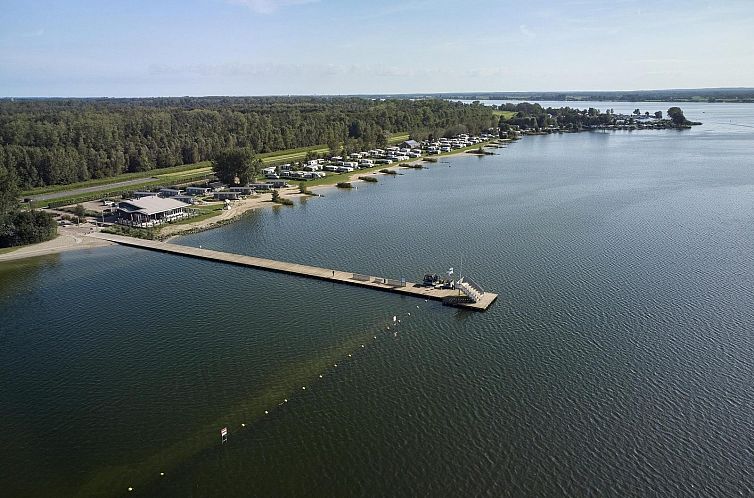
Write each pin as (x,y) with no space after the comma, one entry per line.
(224,434)
(450,271)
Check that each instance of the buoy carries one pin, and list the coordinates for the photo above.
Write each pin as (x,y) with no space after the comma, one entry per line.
(388,328)
(285,401)
(304,388)
(394,318)
(266,412)
(320,376)
(336,365)
(130,489)
(243,425)
(362,345)
(162,473)
(409,313)
(349,355)
(374,337)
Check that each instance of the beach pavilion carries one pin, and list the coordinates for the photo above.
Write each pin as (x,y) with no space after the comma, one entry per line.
(151,211)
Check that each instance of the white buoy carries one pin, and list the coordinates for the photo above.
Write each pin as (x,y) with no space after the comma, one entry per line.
(362,345)
(336,365)
(320,376)
(349,355)
(304,388)
(285,401)
(130,489)
(417,305)
(243,425)
(266,412)
(388,328)
(409,313)
(374,337)
(394,318)
(162,473)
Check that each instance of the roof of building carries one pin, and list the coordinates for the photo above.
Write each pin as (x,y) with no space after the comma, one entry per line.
(153,205)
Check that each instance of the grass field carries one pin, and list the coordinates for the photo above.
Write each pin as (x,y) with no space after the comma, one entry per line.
(156,173)
(505,114)
(205,212)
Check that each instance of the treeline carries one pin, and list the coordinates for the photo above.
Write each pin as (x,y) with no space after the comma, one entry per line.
(534,116)
(60,141)
(19,227)
(668,95)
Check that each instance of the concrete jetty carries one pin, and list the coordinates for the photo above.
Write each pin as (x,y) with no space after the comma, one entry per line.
(447,296)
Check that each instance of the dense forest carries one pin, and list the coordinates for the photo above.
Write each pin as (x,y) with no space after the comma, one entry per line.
(18,227)
(60,141)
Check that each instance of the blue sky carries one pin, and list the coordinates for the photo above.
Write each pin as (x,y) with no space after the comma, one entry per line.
(265,47)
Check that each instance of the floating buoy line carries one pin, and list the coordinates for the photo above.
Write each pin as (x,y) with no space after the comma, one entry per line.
(395,322)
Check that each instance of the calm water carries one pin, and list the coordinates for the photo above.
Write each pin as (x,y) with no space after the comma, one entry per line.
(619,359)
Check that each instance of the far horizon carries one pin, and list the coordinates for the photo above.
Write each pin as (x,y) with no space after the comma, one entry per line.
(469,93)
(333,47)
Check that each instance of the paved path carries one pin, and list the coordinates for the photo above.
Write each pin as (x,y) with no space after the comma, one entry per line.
(332,275)
(86,190)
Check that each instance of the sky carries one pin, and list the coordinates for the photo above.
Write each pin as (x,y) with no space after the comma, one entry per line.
(125,48)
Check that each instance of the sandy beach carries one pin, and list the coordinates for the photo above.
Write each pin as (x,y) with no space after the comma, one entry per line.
(68,239)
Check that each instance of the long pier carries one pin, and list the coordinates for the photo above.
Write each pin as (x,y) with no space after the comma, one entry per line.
(447,296)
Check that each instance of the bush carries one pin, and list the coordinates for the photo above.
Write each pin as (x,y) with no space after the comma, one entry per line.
(370,179)
(430,159)
(26,227)
(344,185)
(388,172)
(277,198)
(139,233)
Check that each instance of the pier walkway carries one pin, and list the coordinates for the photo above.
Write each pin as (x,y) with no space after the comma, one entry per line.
(448,296)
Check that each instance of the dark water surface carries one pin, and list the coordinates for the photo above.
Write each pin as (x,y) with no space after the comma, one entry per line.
(618,360)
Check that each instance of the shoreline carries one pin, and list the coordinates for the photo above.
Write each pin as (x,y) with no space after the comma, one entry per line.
(76,238)
(68,239)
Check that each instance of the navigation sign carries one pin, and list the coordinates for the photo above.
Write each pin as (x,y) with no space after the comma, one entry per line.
(224,434)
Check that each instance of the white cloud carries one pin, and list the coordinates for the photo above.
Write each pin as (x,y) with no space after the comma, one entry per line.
(269,6)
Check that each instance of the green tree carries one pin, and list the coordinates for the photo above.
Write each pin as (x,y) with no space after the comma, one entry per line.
(8,190)
(79,210)
(236,165)
(676,115)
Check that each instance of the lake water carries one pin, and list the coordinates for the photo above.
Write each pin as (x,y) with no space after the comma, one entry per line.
(618,360)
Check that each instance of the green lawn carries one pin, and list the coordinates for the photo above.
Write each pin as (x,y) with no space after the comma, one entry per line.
(505,114)
(120,178)
(205,212)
